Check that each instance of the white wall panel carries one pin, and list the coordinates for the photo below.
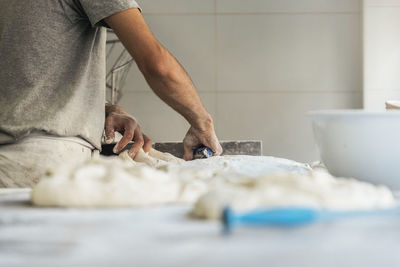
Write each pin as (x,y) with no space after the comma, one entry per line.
(177,6)
(287,6)
(289,52)
(381,53)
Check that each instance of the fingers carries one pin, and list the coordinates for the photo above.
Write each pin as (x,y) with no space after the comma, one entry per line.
(129,133)
(147,143)
(138,143)
(219,150)
(188,152)
(109,131)
(128,126)
(194,139)
(216,147)
(189,143)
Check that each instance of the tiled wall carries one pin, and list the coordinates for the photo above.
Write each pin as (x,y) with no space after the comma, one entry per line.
(381,52)
(259,66)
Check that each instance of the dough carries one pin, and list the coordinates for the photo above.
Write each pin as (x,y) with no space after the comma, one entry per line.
(167,157)
(106,182)
(153,158)
(317,190)
(243,182)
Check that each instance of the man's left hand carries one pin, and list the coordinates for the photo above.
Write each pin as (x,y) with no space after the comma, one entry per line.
(117,119)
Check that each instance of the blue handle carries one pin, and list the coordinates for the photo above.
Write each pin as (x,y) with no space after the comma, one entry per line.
(202,152)
(293,216)
(273,217)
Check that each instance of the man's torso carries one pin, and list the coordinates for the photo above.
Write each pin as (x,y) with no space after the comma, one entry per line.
(52,76)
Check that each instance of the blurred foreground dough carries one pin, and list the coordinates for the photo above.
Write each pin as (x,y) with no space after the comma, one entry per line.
(243,182)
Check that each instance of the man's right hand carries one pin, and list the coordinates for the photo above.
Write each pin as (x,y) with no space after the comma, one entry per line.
(202,134)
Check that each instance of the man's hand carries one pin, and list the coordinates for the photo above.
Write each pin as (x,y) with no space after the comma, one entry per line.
(202,134)
(117,119)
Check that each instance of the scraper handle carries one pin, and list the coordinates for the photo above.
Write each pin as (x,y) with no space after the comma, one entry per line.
(295,216)
(202,152)
(270,217)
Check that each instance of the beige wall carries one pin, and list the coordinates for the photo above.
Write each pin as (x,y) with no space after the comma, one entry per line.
(381,52)
(259,65)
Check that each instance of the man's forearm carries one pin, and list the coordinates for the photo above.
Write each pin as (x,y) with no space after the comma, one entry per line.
(167,78)
(175,87)
(162,71)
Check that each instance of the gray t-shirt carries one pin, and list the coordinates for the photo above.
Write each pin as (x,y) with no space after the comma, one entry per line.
(52,67)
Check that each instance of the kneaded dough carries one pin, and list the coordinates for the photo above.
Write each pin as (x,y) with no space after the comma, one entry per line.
(153,158)
(317,189)
(242,182)
(167,157)
(121,181)
(106,182)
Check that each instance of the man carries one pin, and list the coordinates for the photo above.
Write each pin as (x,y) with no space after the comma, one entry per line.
(52,85)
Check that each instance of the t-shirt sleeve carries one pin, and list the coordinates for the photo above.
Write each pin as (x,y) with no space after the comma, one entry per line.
(98,10)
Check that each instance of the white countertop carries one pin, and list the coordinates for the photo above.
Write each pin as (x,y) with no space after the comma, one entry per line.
(165,236)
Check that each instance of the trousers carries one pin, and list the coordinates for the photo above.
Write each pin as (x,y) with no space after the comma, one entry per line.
(23,163)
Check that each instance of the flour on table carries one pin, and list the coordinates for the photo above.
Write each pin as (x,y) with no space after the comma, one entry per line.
(243,182)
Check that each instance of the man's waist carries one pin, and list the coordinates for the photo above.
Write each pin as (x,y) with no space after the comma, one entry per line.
(37,134)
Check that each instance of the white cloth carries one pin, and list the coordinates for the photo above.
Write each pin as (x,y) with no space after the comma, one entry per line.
(24,162)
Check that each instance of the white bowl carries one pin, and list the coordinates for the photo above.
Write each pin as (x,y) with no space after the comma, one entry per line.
(360,144)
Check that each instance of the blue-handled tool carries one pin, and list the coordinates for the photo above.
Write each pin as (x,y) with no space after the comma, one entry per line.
(202,152)
(291,217)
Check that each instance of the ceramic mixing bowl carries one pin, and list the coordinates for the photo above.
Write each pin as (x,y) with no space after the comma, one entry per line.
(360,144)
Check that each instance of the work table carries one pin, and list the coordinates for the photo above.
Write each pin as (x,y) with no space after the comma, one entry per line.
(166,236)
